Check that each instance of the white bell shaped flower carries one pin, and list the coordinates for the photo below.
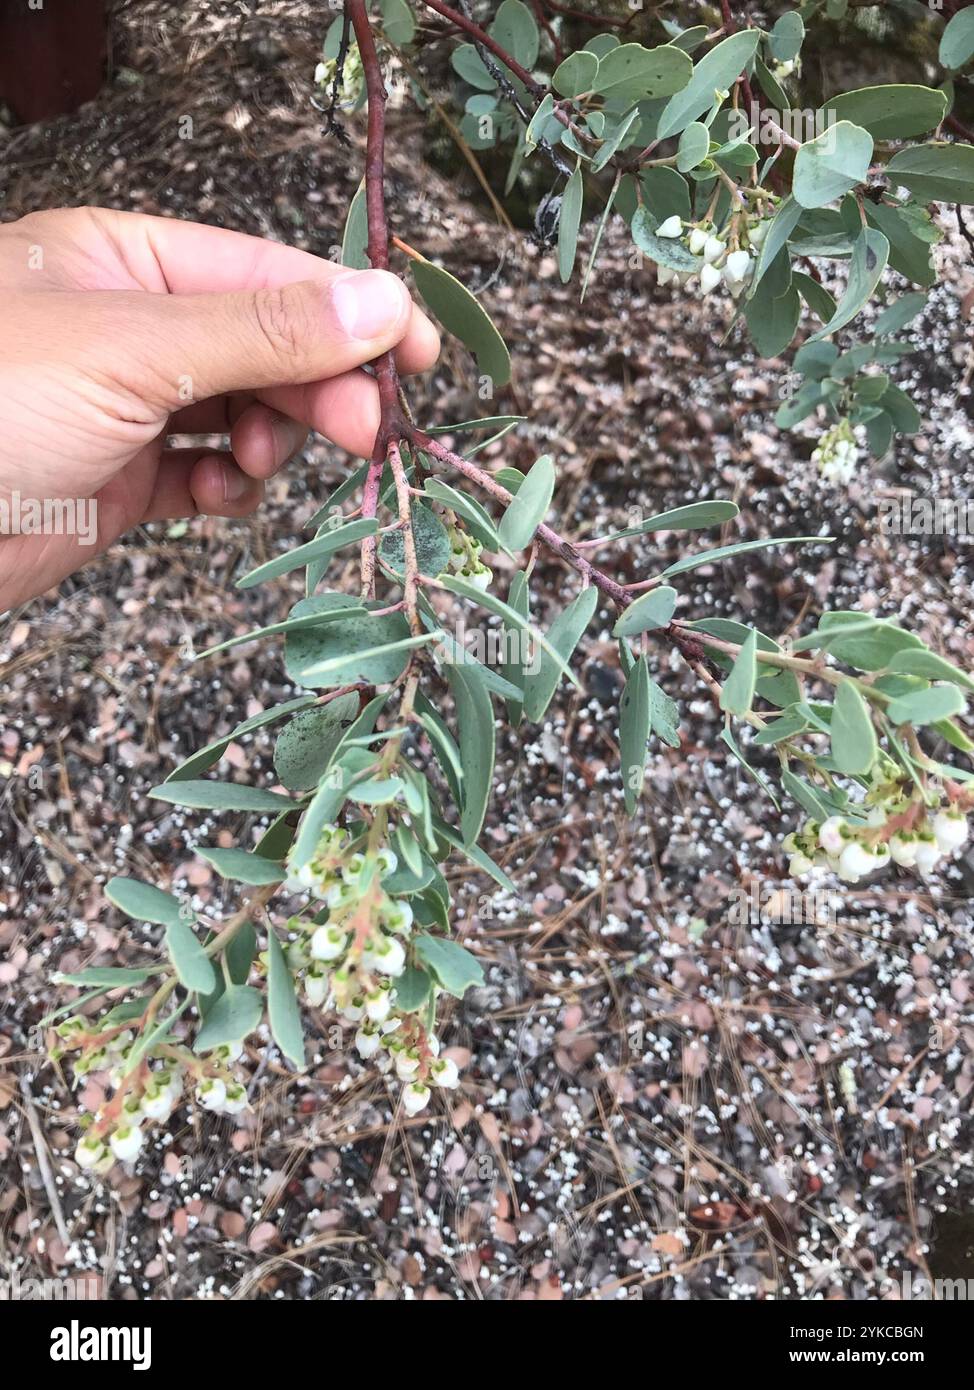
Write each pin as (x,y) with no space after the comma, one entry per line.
(445,1073)
(415,1098)
(950,830)
(126,1143)
(90,1152)
(328,943)
(929,854)
(212,1093)
(903,849)
(855,862)
(830,835)
(406,1066)
(236,1099)
(388,956)
(367,1043)
(710,278)
(315,989)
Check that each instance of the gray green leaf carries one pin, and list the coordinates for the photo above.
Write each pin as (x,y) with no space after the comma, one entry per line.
(282,1005)
(634,728)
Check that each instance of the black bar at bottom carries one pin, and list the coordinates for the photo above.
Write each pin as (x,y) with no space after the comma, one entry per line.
(153,1338)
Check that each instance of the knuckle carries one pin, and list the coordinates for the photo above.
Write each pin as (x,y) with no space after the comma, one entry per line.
(283,321)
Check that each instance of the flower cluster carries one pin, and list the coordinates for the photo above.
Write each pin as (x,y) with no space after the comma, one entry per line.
(146,1094)
(465,559)
(350,961)
(353,77)
(726,258)
(896,829)
(837,453)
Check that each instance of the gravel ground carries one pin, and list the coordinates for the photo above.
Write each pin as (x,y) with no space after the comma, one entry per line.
(658,1100)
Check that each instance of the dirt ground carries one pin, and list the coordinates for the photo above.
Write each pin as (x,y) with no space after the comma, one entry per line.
(651,1103)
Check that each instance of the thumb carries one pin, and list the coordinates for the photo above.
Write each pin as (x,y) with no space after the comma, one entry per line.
(205,344)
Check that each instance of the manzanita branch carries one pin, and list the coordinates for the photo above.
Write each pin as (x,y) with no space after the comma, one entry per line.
(332,124)
(391,419)
(410,562)
(554,542)
(393,426)
(537,89)
(873,797)
(548,27)
(731,27)
(514,97)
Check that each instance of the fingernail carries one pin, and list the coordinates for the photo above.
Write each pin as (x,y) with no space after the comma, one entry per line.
(289,436)
(235,484)
(368,304)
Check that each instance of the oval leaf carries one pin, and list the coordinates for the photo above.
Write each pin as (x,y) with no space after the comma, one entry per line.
(894,112)
(143,901)
(241,866)
(231,1019)
(305,746)
(322,545)
(870,254)
(564,635)
(476,742)
(853,736)
(717,71)
(345,651)
(355,237)
(568,224)
(693,517)
(430,538)
(828,166)
(462,314)
(957,40)
(455,969)
(187,955)
(737,695)
(926,706)
(529,505)
(220,796)
(651,610)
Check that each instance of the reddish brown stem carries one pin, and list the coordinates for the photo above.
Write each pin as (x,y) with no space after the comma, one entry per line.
(731,26)
(410,561)
(394,427)
(391,421)
(546,535)
(536,89)
(546,25)
(378,243)
(686,643)
(482,37)
(959,129)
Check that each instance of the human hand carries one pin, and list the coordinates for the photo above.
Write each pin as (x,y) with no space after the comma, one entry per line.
(120,330)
